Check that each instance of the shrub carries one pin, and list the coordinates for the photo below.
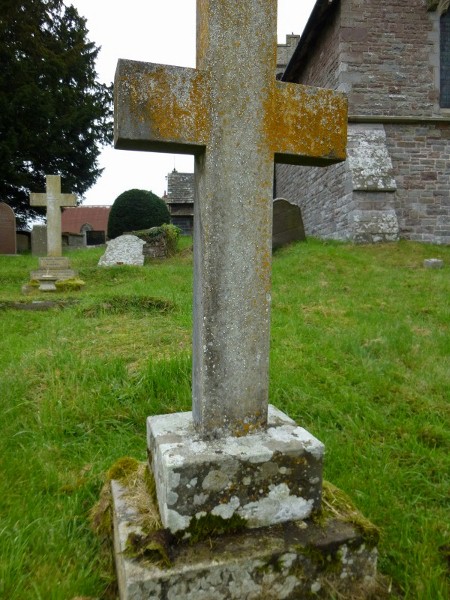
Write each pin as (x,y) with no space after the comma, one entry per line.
(134,210)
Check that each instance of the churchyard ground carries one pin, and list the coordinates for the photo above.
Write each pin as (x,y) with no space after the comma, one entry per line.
(360,356)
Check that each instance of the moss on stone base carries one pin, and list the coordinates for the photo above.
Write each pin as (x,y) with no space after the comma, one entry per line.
(210,526)
(337,505)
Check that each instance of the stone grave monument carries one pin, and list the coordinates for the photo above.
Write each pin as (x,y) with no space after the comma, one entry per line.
(123,250)
(8,243)
(287,223)
(54,267)
(39,240)
(234,460)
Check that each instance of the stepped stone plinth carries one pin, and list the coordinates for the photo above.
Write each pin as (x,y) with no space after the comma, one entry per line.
(57,266)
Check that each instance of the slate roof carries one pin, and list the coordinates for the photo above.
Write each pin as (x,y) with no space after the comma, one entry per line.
(323,9)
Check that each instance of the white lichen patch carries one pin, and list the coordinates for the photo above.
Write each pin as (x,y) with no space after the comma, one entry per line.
(270,472)
(277,507)
(175,521)
(369,160)
(226,511)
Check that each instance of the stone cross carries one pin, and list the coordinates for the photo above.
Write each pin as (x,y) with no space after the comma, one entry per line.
(54,201)
(237,120)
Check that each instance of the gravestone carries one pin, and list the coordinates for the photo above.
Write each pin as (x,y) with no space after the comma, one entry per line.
(39,240)
(54,264)
(233,456)
(287,223)
(123,250)
(8,243)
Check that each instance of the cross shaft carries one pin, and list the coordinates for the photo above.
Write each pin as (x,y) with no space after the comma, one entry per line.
(236,119)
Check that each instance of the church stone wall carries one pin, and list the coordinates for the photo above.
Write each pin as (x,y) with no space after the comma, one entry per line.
(285,52)
(421,157)
(323,194)
(388,57)
(385,56)
(322,63)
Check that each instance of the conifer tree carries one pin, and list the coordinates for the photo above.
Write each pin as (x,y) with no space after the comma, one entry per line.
(54,114)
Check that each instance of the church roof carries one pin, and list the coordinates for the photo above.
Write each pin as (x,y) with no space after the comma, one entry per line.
(323,9)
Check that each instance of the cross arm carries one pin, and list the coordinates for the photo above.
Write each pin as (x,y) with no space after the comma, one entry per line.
(38,199)
(60,201)
(160,108)
(307,125)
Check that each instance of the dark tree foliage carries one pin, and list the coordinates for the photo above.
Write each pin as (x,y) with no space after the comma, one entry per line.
(135,210)
(54,115)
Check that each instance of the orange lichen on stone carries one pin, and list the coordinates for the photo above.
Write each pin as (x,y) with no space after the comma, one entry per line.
(161,103)
(307,123)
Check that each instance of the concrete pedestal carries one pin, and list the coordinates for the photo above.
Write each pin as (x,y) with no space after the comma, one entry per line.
(264,478)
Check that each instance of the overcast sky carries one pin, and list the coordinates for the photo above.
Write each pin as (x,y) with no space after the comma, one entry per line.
(159,31)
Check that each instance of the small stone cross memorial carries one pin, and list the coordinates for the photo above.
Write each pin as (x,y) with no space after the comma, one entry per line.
(54,201)
(54,266)
(233,455)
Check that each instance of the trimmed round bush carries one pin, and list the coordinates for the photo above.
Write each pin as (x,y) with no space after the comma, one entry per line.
(135,210)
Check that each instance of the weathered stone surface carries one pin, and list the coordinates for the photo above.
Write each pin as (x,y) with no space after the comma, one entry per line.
(39,240)
(267,477)
(8,243)
(369,226)
(433,263)
(53,200)
(123,250)
(391,76)
(283,562)
(54,262)
(232,107)
(369,161)
(56,266)
(287,223)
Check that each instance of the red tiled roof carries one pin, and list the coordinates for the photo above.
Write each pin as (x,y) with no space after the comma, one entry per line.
(73,219)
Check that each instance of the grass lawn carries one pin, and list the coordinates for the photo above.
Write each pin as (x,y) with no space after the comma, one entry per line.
(360,356)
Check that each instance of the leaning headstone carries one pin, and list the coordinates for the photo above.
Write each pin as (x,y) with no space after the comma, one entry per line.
(287,223)
(123,250)
(8,243)
(54,265)
(39,240)
(234,461)
(433,263)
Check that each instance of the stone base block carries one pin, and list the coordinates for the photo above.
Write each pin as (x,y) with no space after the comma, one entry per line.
(54,263)
(264,478)
(284,562)
(60,275)
(57,266)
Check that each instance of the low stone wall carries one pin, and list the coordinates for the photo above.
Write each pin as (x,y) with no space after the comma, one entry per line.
(155,247)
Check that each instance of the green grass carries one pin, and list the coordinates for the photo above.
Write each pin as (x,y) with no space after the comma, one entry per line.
(360,356)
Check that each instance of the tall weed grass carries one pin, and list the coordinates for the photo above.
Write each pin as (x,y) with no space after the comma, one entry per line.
(360,356)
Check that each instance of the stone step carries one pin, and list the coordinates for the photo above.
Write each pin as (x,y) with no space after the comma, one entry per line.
(293,560)
(60,274)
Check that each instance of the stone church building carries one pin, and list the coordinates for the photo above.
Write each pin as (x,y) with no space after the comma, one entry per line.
(392,59)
